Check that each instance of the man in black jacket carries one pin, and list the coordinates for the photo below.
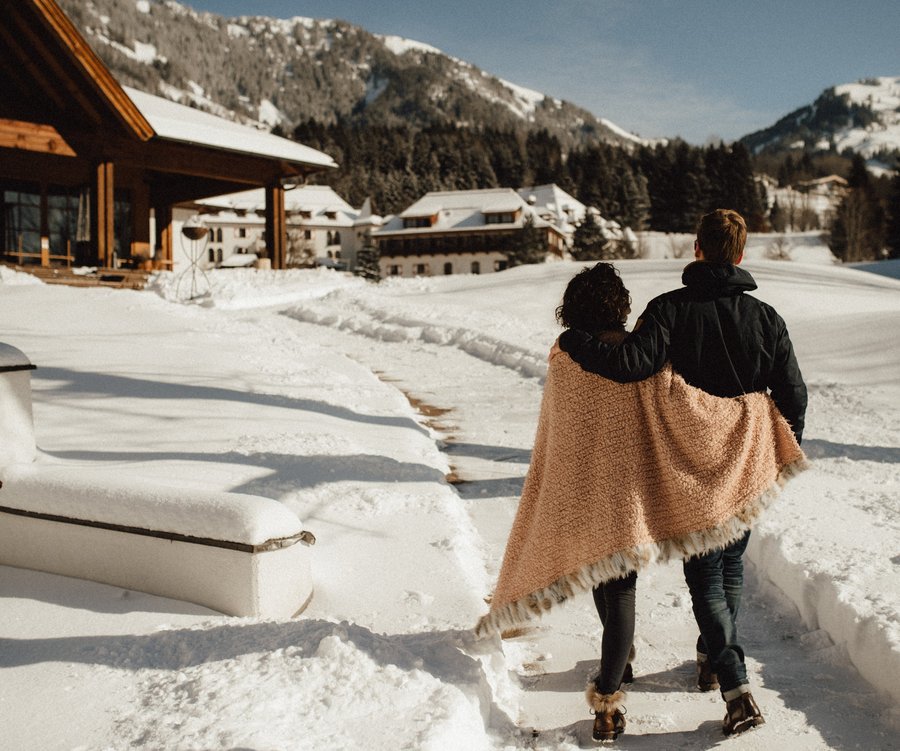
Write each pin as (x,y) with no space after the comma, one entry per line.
(727,343)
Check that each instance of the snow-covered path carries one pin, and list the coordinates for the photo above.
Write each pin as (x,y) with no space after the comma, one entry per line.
(300,387)
(811,694)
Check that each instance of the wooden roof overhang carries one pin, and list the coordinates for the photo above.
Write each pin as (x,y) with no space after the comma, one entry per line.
(58,98)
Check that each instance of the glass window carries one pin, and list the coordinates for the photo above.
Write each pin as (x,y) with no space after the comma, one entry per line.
(62,220)
(122,225)
(448,268)
(476,267)
(22,221)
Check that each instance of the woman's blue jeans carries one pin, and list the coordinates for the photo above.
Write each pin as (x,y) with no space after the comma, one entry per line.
(716,581)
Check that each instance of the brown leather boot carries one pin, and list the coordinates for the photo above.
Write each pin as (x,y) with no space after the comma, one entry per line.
(741,714)
(609,714)
(707,680)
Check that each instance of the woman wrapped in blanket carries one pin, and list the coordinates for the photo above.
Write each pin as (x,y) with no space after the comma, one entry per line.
(624,475)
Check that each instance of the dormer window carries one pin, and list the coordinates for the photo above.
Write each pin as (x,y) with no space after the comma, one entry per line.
(500,217)
(414,222)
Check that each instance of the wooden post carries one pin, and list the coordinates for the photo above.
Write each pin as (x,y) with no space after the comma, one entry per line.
(276,238)
(45,228)
(140,226)
(103,214)
(163,217)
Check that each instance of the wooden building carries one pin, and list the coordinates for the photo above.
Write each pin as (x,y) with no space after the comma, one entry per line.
(461,232)
(84,161)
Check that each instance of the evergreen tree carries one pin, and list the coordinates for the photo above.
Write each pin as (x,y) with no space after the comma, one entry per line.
(589,241)
(777,219)
(858,229)
(367,260)
(527,245)
(635,201)
(544,153)
(892,228)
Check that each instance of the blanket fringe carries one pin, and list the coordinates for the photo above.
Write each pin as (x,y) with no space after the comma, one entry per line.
(623,562)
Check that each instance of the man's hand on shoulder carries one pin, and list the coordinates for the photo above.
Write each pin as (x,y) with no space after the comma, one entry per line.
(571,339)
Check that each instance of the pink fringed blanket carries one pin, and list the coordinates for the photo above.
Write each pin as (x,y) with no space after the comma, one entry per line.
(623,475)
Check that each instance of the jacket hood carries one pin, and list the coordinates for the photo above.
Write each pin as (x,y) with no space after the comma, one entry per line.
(717,279)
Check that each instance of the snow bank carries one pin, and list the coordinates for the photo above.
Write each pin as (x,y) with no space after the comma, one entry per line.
(13,277)
(325,685)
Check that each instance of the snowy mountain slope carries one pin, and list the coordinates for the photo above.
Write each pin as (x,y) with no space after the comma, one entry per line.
(286,71)
(863,117)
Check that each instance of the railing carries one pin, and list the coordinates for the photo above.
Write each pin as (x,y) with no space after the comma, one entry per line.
(44,255)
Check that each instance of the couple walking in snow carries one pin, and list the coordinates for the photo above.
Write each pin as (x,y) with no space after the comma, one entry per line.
(665,443)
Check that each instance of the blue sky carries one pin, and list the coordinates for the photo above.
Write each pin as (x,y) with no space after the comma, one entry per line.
(690,68)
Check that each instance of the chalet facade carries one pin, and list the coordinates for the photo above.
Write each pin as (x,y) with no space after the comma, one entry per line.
(461,232)
(322,228)
(85,162)
(808,205)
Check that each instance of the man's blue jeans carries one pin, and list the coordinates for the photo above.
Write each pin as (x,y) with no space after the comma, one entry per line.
(716,581)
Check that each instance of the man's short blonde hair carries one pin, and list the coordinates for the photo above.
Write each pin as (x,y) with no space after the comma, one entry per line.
(722,235)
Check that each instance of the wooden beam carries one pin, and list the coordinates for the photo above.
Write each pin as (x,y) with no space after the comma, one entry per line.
(24,62)
(103,213)
(32,166)
(15,134)
(163,156)
(88,64)
(276,234)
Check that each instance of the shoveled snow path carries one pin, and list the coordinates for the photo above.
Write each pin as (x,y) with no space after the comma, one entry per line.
(811,696)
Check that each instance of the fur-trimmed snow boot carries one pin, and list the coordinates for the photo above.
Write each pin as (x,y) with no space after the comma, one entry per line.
(707,680)
(609,714)
(741,714)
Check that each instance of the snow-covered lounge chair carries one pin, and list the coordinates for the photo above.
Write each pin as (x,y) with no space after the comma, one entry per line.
(240,554)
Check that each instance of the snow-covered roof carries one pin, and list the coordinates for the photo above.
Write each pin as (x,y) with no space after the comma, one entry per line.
(177,122)
(828,179)
(460,210)
(491,200)
(551,198)
(321,201)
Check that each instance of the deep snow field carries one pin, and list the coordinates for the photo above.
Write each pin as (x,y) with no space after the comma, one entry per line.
(352,404)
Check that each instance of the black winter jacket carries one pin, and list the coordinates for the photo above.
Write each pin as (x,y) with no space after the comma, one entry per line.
(716,337)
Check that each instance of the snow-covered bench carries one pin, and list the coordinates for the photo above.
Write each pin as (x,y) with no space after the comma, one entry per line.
(239,554)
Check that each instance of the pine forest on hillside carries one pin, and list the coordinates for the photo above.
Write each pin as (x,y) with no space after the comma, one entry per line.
(404,121)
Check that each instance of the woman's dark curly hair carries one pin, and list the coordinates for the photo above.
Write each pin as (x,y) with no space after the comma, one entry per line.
(595,300)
